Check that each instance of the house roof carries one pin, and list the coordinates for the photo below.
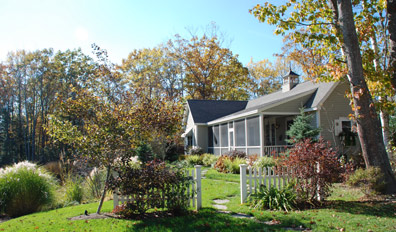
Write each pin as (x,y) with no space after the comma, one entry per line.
(318,90)
(204,111)
(209,111)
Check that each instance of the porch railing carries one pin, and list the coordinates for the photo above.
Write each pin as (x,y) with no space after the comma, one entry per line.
(275,150)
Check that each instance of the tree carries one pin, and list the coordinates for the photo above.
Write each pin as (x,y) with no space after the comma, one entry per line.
(302,129)
(391,13)
(333,23)
(108,122)
(154,72)
(210,71)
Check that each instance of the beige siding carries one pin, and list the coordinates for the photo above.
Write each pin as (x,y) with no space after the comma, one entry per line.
(202,137)
(335,106)
(190,121)
(291,106)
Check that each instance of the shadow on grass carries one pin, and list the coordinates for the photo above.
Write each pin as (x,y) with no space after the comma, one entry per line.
(372,208)
(207,219)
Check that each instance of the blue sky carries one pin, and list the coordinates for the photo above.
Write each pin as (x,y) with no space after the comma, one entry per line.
(123,25)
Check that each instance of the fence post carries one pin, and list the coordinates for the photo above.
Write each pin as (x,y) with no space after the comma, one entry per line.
(115,199)
(243,182)
(319,194)
(199,192)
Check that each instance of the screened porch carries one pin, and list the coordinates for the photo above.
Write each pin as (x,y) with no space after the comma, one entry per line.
(263,135)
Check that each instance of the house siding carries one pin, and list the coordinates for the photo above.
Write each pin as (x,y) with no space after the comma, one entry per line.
(335,106)
(190,120)
(291,106)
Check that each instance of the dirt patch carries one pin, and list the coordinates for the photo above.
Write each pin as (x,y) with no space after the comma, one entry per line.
(94,216)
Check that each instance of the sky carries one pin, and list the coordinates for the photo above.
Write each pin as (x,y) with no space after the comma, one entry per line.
(120,26)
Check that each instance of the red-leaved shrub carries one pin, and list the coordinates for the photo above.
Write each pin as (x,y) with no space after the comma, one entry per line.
(315,167)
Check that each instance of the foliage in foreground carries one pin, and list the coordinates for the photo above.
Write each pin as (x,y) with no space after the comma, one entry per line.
(153,186)
(370,180)
(315,167)
(25,188)
(273,198)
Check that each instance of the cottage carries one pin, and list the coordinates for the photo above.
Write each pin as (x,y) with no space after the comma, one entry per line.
(259,126)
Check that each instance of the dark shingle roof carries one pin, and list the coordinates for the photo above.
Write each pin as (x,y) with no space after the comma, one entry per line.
(204,111)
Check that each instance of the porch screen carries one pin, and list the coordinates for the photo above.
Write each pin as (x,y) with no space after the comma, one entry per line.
(216,136)
(240,133)
(210,136)
(224,135)
(253,131)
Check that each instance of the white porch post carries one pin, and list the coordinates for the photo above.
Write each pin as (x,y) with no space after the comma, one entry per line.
(261,126)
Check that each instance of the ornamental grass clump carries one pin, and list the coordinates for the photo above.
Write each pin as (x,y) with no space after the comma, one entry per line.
(273,198)
(25,188)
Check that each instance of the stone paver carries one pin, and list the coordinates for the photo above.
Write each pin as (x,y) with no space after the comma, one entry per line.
(222,207)
(220,201)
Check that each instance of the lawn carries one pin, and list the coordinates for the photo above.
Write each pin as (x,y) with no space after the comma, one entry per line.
(343,212)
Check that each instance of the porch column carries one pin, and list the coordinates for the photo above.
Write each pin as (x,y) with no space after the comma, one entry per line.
(261,126)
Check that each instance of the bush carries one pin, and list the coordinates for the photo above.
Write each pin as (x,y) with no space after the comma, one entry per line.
(273,198)
(195,151)
(149,193)
(145,152)
(95,182)
(74,190)
(370,180)
(264,162)
(24,189)
(208,159)
(304,159)
(193,160)
(236,154)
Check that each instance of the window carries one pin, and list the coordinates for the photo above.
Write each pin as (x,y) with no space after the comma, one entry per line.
(343,129)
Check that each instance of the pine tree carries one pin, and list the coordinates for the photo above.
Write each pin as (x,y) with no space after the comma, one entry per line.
(302,129)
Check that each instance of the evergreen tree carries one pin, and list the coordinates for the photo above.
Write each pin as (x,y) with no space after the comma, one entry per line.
(302,129)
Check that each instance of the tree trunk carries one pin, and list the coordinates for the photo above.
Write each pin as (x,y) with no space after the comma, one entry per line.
(391,10)
(368,125)
(104,189)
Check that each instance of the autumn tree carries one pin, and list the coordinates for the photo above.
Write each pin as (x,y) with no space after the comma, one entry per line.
(154,72)
(266,76)
(108,121)
(210,70)
(330,28)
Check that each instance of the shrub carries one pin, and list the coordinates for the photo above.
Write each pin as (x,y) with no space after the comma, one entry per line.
(95,182)
(74,189)
(150,185)
(273,198)
(195,151)
(145,152)
(25,188)
(193,160)
(302,129)
(264,162)
(234,154)
(304,159)
(208,159)
(220,163)
(370,180)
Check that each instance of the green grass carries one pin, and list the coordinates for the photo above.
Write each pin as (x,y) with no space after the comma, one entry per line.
(344,211)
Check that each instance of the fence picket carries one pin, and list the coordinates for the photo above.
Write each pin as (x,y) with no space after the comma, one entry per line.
(276,177)
(194,188)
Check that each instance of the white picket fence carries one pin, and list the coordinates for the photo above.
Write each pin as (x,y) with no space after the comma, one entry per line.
(251,179)
(195,199)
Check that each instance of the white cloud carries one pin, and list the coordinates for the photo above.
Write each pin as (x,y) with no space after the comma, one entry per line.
(81,34)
